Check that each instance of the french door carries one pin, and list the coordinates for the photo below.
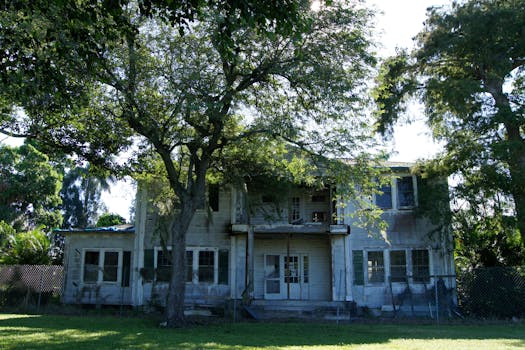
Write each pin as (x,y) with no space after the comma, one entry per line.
(286,276)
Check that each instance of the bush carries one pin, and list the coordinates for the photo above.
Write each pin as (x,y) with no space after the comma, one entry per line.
(496,292)
(26,248)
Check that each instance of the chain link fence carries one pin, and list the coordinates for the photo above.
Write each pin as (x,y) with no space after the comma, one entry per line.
(492,292)
(30,286)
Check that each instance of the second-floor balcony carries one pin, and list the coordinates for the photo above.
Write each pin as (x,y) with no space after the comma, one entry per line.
(300,210)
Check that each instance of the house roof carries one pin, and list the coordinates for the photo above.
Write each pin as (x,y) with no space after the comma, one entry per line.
(118,229)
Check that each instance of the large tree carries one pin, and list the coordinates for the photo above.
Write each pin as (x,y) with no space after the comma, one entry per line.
(95,80)
(29,188)
(468,69)
(81,196)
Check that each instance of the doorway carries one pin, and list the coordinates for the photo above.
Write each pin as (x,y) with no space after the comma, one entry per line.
(286,276)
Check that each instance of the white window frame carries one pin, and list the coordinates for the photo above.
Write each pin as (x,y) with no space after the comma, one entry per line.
(195,263)
(414,189)
(394,193)
(101,257)
(393,189)
(365,262)
(430,266)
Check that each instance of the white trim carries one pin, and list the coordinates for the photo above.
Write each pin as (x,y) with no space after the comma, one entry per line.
(195,263)
(101,257)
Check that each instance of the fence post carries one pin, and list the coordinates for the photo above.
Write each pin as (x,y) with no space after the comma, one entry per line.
(436,298)
(40,289)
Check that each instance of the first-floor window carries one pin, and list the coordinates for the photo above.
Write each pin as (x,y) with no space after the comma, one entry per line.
(420,266)
(376,267)
(206,266)
(398,266)
(102,266)
(91,262)
(203,265)
(110,271)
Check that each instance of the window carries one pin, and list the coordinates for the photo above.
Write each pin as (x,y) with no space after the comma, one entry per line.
(398,266)
(291,269)
(420,266)
(189,265)
(305,269)
(359,274)
(376,267)
(91,267)
(203,265)
(295,209)
(163,265)
(318,198)
(405,192)
(319,216)
(102,266)
(384,200)
(110,271)
(206,266)
(268,198)
(213,197)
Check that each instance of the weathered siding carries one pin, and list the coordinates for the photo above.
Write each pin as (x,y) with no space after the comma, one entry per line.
(75,290)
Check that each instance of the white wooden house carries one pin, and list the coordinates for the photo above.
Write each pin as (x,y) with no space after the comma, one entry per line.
(287,249)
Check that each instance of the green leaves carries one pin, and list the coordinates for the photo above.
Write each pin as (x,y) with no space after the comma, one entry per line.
(29,188)
(26,248)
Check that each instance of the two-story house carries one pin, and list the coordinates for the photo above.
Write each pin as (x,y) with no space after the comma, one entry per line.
(275,247)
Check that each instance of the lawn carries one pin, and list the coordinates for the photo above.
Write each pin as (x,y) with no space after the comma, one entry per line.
(73,332)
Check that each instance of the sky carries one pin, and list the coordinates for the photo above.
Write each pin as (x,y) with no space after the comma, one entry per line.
(397,23)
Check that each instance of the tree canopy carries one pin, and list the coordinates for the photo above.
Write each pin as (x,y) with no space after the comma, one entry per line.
(81,196)
(468,70)
(29,188)
(110,219)
(97,79)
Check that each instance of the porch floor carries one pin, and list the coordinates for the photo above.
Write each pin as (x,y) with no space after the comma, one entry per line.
(315,309)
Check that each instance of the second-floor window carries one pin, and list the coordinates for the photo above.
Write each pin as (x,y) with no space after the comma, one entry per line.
(384,199)
(295,209)
(404,197)
(405,192)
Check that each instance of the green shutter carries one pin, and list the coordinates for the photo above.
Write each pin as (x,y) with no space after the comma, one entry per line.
(126,269)
(359,275)
(223,266)
(149,265)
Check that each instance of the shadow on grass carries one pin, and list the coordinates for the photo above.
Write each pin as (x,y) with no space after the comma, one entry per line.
(63,332)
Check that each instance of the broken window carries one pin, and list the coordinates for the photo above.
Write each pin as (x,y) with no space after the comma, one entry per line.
(405,192)
(101,266)
(376,267)
(420,266)
(384,199)
(398,266)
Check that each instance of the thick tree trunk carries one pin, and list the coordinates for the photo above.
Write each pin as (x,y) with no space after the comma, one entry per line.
(176,290)
(515,148)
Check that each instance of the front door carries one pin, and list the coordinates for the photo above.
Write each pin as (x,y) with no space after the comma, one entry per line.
(286,277)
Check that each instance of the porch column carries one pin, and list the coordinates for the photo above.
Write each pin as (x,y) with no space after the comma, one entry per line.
(348,269)
(250,262)
(233,268)
(338,268)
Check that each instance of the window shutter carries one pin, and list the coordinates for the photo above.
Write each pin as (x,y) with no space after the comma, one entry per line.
(126,269)
(223,266)
(149,267)
(359,276)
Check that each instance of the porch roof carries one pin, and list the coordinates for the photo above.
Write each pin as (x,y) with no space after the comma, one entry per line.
(119,229)
(308,228)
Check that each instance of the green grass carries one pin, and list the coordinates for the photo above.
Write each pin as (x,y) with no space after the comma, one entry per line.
(94,333)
